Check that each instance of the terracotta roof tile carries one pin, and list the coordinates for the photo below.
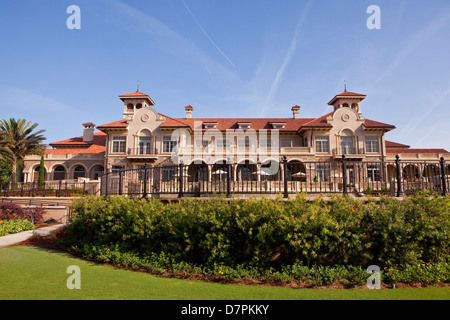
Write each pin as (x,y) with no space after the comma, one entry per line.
(134,94)
(390,144)
(406,150)
(116,124)
(76,145)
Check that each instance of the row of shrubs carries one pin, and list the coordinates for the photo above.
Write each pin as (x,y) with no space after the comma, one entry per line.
(269,235)
(14,226)
(11,211)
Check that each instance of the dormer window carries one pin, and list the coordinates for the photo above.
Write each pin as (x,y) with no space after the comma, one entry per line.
(278,125)
(244,125)
(210,125)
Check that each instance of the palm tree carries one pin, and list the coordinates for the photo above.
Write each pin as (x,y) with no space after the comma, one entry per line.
(17,141)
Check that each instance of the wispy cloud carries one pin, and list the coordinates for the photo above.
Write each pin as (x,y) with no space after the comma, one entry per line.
(169,40)
(287,59)
(22,100)
(206,34)
(413,43)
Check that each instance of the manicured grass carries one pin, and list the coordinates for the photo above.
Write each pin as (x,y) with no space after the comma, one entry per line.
(36,273)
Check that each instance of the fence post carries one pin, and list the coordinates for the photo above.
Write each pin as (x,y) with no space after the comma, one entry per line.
(144,194)
(285,194)
(344,175)
(444,183)
(399,176)
(59,191)
(228,178)
(120,182)
(105,178)
(84,187)
(180,176)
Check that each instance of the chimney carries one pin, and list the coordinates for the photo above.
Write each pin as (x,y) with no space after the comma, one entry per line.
(295,110)
(189,110)
(88,132)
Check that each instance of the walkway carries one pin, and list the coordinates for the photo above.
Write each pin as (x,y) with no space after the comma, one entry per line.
(22,236)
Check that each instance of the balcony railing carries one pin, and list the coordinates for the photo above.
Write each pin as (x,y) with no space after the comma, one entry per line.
(348,151)
(142,152)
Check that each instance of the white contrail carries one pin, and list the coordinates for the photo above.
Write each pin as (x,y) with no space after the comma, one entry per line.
(289,54)
(206,34)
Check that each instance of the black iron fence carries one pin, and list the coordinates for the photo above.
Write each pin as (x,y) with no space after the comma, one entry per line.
(49,189)
(344,176)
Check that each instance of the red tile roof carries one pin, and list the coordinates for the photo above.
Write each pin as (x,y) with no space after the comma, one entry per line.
(375,124)
(407,150)
(347,94)
(134,94)
(390,144)
(77,145)
(255,123)
(116,124)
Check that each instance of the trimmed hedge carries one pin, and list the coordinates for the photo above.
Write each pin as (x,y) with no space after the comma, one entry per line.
(270,233)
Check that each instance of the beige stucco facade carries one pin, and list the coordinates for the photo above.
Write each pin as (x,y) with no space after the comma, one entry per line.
(143,137)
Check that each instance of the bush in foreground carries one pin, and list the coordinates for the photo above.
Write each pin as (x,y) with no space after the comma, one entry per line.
(336,239)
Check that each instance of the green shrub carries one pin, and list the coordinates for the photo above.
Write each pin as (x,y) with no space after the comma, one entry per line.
(14,226)
(267,236)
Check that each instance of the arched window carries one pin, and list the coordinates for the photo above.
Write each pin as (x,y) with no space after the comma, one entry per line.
(97,173)
(347,146)
(79,172)
(59,173)
(345,105)
(138,106)
(36,173)
(145,142)
(130,107)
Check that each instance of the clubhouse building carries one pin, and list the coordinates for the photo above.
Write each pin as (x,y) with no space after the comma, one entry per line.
(145,137)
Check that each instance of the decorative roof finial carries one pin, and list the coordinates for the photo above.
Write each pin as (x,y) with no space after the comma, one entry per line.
(345,85)
(138,87)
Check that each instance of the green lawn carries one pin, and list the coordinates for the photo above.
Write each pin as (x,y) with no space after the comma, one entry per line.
(35,273)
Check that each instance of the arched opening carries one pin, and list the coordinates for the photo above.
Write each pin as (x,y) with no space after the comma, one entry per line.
(79,172)
(197,172)
(270,170)
(245,169)
(347,143)
(130,107)
(36,174)
(145,142)
(97,172)
(345,105)
(220,171)
(296,171)
(138,106)
(59,173)
(355,107)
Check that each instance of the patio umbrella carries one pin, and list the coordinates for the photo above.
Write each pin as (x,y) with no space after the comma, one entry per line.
(299,174)
(220,171)
(262,172)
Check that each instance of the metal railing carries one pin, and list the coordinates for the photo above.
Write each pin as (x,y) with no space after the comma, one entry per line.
(344,176)
(60,188)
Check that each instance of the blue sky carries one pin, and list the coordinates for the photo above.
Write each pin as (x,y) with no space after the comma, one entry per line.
(227,58)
